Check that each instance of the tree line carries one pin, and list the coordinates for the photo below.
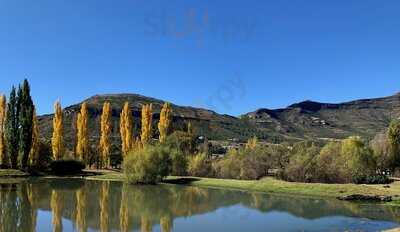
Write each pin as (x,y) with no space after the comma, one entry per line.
(20,139)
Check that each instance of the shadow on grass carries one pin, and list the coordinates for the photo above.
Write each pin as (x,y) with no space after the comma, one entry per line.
(181,181)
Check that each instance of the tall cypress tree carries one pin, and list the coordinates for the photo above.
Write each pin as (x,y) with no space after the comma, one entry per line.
(11,128)
(26,110)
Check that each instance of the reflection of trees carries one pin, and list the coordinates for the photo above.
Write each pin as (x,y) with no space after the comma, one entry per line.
(166,224)
(124,210)
(56,204)
(81,207)
(145,224)
(104,203)
(104,206)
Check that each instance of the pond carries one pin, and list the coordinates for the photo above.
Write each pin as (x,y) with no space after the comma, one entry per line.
(79,205)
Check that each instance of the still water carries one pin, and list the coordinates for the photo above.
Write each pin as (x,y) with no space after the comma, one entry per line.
(78,205)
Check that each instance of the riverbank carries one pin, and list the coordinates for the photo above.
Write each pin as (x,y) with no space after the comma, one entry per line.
(274,186)
(266,185)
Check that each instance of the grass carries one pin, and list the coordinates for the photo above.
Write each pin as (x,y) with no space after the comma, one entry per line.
(12,173)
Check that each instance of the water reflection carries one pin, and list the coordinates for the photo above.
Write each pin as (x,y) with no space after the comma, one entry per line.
(112,206)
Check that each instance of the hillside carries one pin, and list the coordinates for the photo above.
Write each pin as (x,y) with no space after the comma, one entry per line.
(310,119)
(299,121)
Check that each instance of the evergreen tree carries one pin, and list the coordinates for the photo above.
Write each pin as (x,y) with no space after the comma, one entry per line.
(165,121)
(26,109)
(3,152)
(147,112)
(126,129)
(82,147)
(11,129)
(58,130)
(105,139)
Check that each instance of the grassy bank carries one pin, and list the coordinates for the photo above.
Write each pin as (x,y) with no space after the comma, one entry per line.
(4,173)
(271,185)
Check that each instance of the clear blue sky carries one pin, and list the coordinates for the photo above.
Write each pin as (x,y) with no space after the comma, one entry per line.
(231,56)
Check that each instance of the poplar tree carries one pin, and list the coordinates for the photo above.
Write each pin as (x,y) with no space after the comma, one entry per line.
(105,139)
(58,130)
(82,147)
(34,153)
(126,129)
(26,109)
(394,141)
(11,129)
(165,121)
(3,110)
(146,123)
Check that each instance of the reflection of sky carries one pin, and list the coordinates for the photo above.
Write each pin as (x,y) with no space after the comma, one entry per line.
(239,218)
(44,222)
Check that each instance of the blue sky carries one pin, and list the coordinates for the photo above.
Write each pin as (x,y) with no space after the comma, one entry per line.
(230,56)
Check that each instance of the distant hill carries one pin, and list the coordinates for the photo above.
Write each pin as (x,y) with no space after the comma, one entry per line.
(302,120)
(311,119)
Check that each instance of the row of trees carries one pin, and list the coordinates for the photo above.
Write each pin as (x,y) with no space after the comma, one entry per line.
(128,141)
(19,134)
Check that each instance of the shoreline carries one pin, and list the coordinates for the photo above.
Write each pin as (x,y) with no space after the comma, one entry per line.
(268,185)
(271,185)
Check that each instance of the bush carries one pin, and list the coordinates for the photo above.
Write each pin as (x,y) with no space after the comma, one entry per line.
(179,163)
(338,162)
(66,167)
(149,165)
(373,179)
(199,165)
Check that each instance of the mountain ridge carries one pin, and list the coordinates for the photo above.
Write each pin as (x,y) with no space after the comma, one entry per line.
(303,120)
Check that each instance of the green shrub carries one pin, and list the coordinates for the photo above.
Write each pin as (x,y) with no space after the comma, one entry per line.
(199,165)
(66,167)
(373,179)
(179,163)
(149,165)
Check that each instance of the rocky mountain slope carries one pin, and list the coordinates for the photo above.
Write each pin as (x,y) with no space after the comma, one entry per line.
(299,121)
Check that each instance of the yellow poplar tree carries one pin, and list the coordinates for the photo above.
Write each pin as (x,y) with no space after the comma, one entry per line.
(252,143)
(58,130)
(147,117)
(3,109)
(126,129)
(34,153)
(105,143)
(82,143)
(165,121)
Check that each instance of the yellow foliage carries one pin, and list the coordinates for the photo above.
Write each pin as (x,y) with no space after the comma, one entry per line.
(3,109)
(58,130)
(105,139)
(165,121)
(147,117)
(252,143)
(34,153)
(82,143)
(126,129)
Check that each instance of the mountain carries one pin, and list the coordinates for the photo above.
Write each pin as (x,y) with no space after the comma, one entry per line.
(302,120)
(311,119)
(206,122)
